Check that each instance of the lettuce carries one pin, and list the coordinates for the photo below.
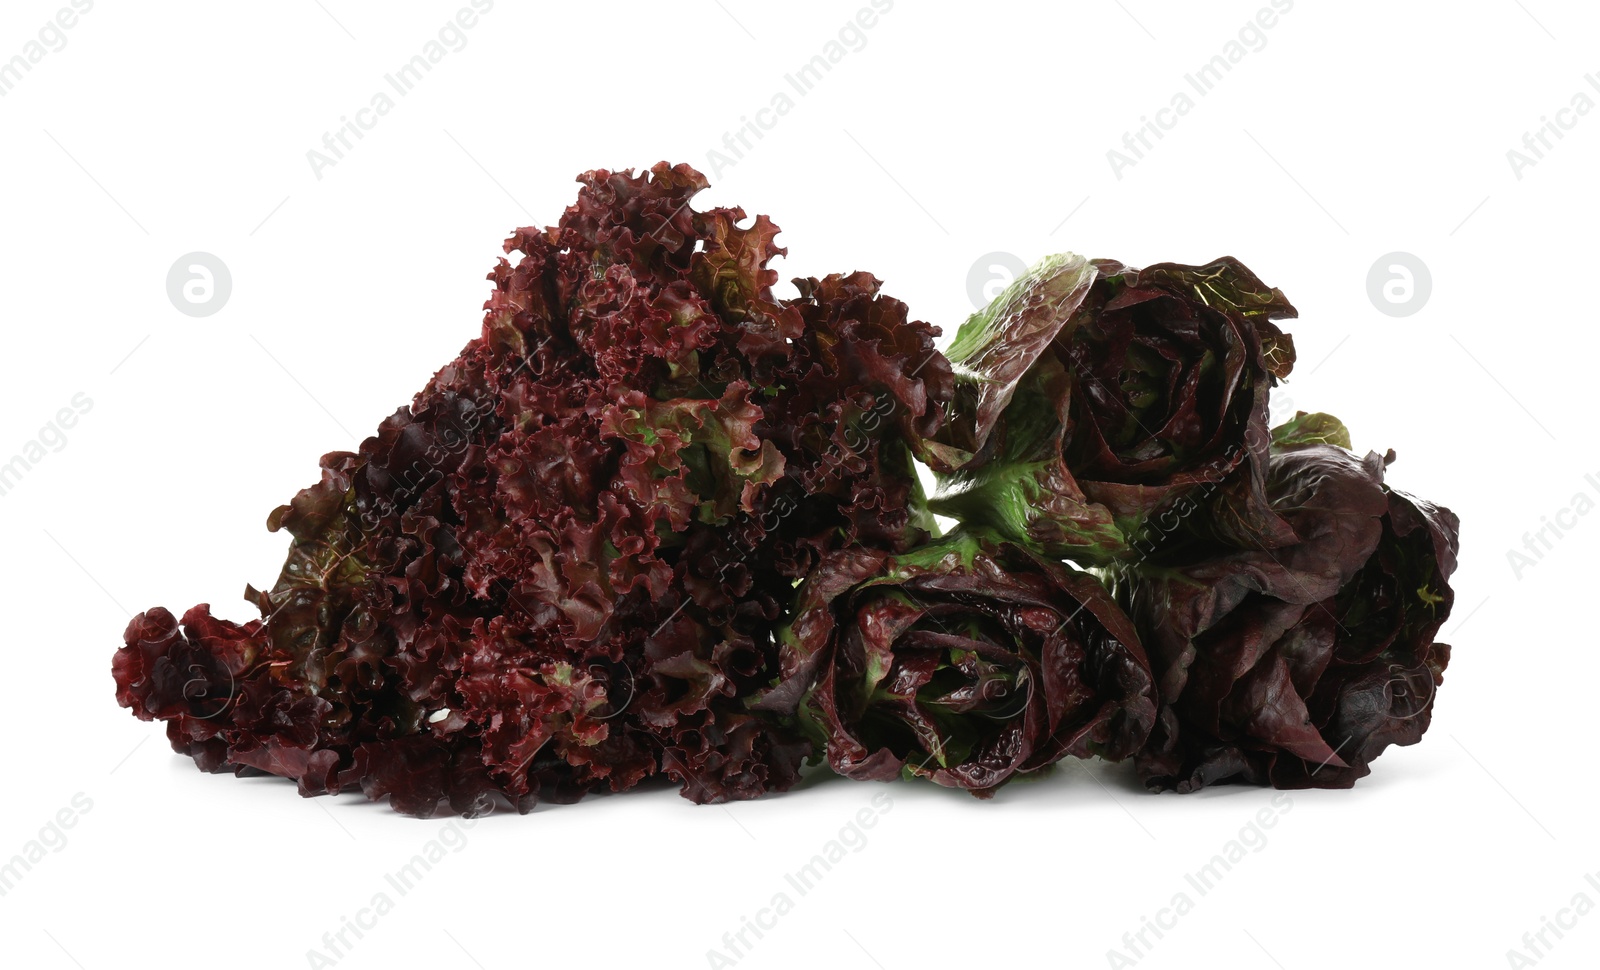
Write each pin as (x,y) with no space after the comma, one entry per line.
(1298,666)
(656,522)
(561,568)
(1092,397)
(969,661)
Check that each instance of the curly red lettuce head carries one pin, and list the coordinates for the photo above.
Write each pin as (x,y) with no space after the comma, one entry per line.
(561,568)
(969,661)
(716,422)
(1298,666)
(1092,396)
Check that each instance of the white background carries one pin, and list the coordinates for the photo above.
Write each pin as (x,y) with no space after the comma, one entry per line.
(1359,129)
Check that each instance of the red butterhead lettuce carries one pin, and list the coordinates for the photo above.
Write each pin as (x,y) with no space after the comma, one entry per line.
(969,661)
(1298,666)
(1093,395)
